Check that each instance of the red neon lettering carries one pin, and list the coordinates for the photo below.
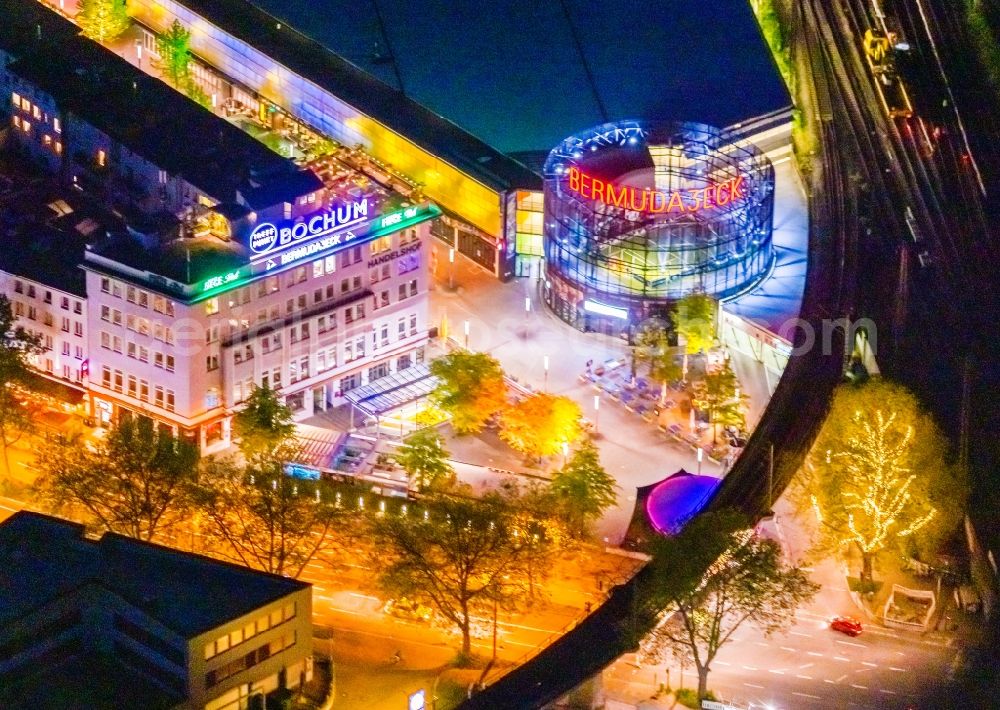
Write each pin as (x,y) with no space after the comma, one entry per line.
(631,200)
(618,200)
(655,201)
(696,196)
(597,191)
(737,189)
(709,196)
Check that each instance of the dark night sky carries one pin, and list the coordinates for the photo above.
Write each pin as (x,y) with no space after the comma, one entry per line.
(508,70)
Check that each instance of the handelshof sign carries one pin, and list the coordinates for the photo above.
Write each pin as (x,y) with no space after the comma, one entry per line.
(655,201)
(266,238)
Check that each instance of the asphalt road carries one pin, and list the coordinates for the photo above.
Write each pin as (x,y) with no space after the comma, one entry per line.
(809,666)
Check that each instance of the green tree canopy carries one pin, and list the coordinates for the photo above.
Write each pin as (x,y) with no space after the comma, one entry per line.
(264,424)
(694,321)
(264,519)
(470,389)
(541,424)
(17,345)
(708,581)
(424,458)
(174,48)
(583,489)
(653,348)
(102,20)
(136,481)
(718,395)
(880,475)
(461,556)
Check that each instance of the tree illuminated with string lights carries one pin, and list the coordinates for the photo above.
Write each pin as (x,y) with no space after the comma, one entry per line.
(880,475)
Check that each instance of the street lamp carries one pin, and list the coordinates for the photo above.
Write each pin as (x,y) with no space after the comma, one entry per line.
(597,410)
(451,269)
(565,452)
(527,312)
(466,335)
(545,364)
(701,453)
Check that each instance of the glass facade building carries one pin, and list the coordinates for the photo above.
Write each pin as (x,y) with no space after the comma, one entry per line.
(638,215)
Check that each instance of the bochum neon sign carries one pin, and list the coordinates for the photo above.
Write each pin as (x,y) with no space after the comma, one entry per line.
(655,201)
(266,238)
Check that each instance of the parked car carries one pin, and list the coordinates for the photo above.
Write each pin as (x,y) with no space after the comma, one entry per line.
(404,608)
(846,625)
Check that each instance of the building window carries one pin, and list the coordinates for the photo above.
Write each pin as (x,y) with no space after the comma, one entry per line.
(211,362)
(377,246)
(106,376)
(78,329)
(102,158)
(158,396)
(170,400)
(56,124)
(413,324)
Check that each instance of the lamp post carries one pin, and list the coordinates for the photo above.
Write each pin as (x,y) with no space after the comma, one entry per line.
(545,381)
(565,453)
(701,453)
(466,335)
(597,410)
(527,312)
(451,269)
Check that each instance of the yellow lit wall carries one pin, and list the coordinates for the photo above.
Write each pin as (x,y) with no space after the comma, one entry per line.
(318,108)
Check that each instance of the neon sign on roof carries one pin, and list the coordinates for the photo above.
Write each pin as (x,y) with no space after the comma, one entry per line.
(655,201)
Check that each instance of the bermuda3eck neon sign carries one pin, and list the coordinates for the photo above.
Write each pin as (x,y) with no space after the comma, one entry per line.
(266,238)
(656,201)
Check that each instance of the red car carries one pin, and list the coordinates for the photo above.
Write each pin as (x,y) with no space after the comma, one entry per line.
(846,625)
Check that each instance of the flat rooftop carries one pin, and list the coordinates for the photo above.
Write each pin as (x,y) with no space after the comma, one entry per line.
(523,76)
(45,558)
(138,111)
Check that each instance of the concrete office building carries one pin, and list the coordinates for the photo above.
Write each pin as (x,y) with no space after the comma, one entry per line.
(115,623)
(225,264)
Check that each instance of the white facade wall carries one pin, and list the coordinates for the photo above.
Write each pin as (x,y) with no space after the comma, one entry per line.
(59,318)
(310,331)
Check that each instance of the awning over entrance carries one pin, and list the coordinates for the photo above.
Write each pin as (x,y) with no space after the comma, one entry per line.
(393,391)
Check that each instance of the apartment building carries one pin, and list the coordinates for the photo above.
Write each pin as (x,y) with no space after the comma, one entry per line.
(115,622)
(39,257)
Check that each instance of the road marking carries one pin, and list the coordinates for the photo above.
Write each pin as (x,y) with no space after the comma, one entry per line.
(859,687)
(804,677)
(806,665)
(898,670)
(799,633)
(841,658)
(751,685)
(841,677)
(721,663)
(887,692)
(761,643)
(851,643)
(751,668)
(827,680)
(786,648)
(872,665)
(777,672)
(806,695)
(813,653)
